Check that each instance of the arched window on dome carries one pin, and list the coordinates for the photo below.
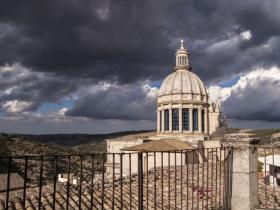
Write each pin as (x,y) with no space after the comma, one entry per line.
(175,119)
(185,120)
(202,121)
(195,119)
(166,120)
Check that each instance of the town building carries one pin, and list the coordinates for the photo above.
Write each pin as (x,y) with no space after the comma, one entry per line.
(270,168)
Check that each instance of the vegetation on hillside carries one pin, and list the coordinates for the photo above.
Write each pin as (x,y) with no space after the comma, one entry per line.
(264,133)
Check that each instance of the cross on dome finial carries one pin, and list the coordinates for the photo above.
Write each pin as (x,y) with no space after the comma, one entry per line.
(182,44)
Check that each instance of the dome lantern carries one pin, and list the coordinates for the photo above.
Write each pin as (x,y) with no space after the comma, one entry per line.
(182,58)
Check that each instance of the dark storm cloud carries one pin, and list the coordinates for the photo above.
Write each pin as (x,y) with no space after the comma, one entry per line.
(127,102)
(104,40)
(21,84)
(69,44)
(133,40)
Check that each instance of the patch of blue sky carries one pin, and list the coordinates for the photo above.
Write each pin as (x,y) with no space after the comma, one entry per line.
(47,107)
(156,84)
(229,83)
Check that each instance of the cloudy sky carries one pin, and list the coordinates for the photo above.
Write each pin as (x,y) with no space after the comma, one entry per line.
(90,66)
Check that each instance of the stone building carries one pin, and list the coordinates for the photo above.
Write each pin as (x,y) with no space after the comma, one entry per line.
(184,112)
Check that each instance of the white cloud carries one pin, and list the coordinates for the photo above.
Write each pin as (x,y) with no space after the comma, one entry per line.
(231,42)
(16,106)
(218,94)
(254,97)
(246,35)
(221,94)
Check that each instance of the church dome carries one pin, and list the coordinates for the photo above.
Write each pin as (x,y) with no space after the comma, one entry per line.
(182,85)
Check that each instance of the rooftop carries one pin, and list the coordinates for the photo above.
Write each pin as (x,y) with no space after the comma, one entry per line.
(160,145)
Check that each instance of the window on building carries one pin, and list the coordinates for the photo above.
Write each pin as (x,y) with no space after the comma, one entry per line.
(202,121)
(175,119)
(195,119)
(185,120)
(166,119)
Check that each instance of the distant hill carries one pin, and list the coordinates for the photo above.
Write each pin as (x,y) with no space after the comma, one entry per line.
(267,136)
(70,140)
(12,145)
(26,144)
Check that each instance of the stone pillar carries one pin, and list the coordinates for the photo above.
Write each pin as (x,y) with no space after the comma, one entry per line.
(199,120)
(162,121)
(206,116)
(180,120)
(244,189)
(191,119)
(158,121)
(170,120)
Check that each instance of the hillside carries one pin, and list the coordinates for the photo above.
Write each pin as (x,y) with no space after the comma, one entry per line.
(69,140)
(12,145)
(25,144)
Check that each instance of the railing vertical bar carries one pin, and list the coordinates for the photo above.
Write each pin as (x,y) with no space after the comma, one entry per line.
(169,181)
(81,182)
(187,162)
(113,181)
(224,178)
(121,177)
(25,181)
(181,179)
(102,184)
(147,180)
(193,157)
(229,174)
(207,179)
(198,188)
(92,177)
(162,201)
(220,176)
(41,181)
(216,178)
(54,181)
(175,179)
(227,177)
(130,190)
(140,181)
(212,174)
(68,181)
(258,180)
(155,182)
(8,182)
(274,206)
(202,176)
(265,178)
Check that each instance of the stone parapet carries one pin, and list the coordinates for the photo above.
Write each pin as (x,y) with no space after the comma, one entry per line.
(244,195)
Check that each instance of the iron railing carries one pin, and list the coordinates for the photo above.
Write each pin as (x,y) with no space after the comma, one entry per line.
(189,179)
